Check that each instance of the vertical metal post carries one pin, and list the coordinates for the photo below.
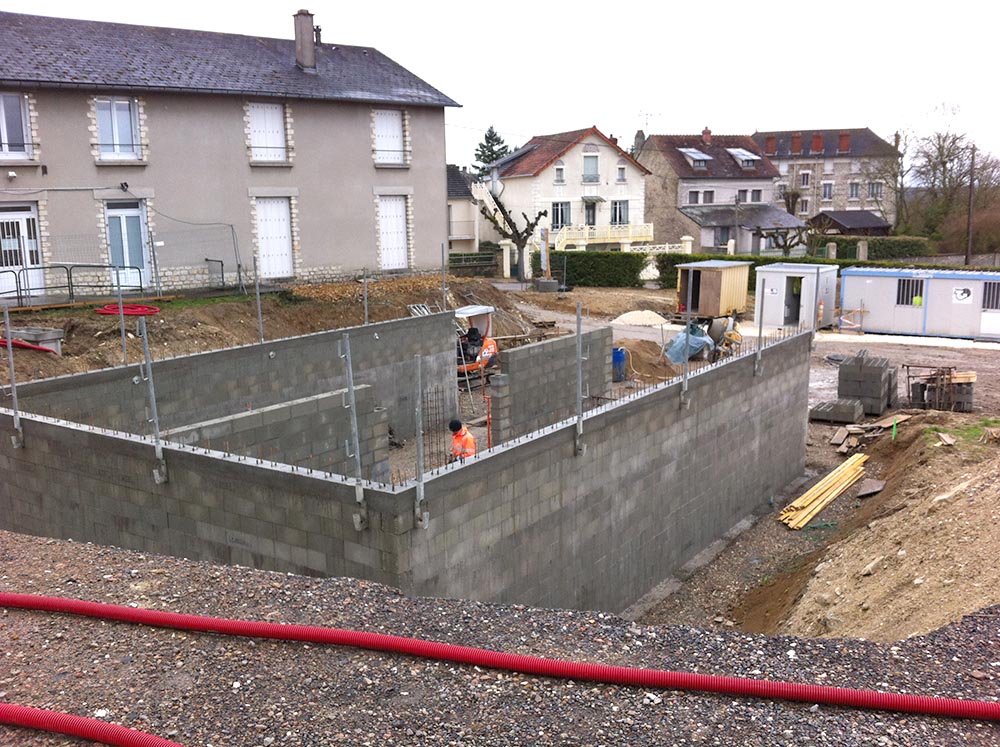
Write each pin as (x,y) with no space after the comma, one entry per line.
(816,319)
(444,278)
(420,515)
(685,402)
(17,440)
(364,281)
(160,472)
(260,311)
(361,515)
(579,379)
(156,267)
(121,316)
(760,326)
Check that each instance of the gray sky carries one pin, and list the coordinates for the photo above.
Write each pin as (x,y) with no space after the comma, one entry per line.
(536,68)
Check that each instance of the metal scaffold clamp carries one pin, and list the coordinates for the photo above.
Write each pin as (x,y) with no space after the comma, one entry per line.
(360,516)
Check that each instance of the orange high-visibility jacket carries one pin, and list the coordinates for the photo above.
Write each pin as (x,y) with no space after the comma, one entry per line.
(488,350)
(463,444)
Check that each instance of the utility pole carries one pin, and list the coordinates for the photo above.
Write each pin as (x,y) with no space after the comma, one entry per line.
(968,224)
(736,228)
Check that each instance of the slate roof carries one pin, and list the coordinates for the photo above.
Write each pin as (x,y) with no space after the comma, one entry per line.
(543,150)
(42,52)
(458,183)
(766,217)
(852,219)
(721,165)
(864,143)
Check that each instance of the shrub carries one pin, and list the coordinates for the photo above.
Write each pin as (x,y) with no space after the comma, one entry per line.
(879,247)
(599,269)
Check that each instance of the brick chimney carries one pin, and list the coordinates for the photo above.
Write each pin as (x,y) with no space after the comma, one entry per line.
(305,44)
(706,136)
(817,146)
(844,143)
(770,145)
(796,143)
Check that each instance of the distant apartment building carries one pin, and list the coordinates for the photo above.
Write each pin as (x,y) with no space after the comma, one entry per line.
(833,170)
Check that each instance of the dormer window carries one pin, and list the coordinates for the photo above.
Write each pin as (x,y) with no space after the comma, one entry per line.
(745,158)
(696,158)
(622,174)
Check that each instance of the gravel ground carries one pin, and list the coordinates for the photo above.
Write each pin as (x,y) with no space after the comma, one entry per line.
(202,689)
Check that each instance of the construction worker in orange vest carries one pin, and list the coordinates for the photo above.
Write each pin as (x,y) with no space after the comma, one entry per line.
(463,443)
(484,359)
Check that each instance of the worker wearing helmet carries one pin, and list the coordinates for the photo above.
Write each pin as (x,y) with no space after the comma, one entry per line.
(463,443)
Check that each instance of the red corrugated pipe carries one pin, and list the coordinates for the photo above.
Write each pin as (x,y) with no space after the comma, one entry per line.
(77,726)
(647,678)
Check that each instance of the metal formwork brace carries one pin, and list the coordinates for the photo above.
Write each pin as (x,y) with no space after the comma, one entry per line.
(581,447)
(361,515)
(420,515)
(17,440)
(260,311)
(160,471)
(757,362)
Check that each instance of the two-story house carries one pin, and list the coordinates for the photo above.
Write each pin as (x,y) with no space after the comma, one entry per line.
(170,154)
(594,192)
(715,188)
(833,170)
(463,211)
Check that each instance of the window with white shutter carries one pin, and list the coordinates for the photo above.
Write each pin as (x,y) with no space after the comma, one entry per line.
(267,132)
(389,142)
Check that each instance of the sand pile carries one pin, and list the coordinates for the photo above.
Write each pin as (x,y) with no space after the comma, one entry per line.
(640,319)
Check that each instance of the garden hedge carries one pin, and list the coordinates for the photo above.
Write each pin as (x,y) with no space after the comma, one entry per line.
(879,247)
(597,269)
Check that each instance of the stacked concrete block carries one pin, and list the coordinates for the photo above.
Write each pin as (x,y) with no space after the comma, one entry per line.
(942,395)
(873,381)
(841,411)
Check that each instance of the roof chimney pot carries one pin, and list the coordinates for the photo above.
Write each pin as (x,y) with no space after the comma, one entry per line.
(706,136)
(305,41)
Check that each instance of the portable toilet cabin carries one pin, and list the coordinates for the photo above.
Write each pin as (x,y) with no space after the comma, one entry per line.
(910,301)
(718,287)
(786,295)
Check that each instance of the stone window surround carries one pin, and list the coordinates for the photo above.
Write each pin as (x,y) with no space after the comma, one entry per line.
(34,148)
(407,140)
(142,157)
(292,193)
(406,192)
(289,135)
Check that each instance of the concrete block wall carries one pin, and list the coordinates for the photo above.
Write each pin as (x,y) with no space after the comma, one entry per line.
(313,432)
(95,486)
(194,388)
(537,385)
(534,523)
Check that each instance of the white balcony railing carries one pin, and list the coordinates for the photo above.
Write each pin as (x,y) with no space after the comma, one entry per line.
(628,233)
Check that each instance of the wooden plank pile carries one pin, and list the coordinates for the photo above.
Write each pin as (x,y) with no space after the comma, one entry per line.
(806,507)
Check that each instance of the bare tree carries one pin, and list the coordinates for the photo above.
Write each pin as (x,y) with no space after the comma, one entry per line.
(791,196)
(894,174)
(507,227)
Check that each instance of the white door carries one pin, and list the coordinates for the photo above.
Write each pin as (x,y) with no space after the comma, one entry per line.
(19,250)
(274,237)
(127,244)
(392,232)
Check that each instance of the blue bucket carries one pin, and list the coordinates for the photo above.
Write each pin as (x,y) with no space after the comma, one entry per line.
(618,364)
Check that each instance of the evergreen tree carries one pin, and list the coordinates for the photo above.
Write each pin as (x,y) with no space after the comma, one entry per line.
(491,149)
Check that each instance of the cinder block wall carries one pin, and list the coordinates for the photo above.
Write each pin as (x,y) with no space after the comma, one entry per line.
(531,523)
(193,388)
(314,432)
(537,385)
(536,524)
(100,488)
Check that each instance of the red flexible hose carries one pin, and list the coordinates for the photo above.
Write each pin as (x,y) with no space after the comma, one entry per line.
(78,726)
(27,346)
(128,309)
(649,678)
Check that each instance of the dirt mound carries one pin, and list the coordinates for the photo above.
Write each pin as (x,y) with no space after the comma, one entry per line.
(645,362)
(604,303)
(928,556)
(192,325)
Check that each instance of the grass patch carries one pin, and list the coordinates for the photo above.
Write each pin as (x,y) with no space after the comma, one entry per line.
(196,303)
(969,432)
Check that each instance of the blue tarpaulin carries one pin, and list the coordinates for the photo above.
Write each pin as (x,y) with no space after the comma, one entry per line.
(695,340)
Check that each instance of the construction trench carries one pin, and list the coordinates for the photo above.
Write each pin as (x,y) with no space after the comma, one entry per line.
(245,462)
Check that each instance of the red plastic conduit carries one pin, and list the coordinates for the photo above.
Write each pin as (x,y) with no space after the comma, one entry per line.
(648,678)
(26,346)
(128,309)
(78,726)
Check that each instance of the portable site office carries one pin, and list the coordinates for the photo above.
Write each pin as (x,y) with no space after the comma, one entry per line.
(718,287)
(786,294)
(939,303)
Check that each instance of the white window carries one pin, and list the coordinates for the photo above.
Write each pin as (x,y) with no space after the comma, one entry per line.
(117,128)
(560,173)
(708,196)
(741,196)
(14,140)
(619,212)
(560,215)
(828,166)
(394,233)
(755,195)
(827,190)
(389,140)
(854,191)
(804,206)
(274,237)
(621,173)
(127,239)
(591,169)
(693,197)
(804,178)
(874,190)
(267,132)
(700,163)
(783,168)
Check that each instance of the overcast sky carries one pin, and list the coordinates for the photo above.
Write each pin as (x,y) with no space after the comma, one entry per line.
(536,68)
